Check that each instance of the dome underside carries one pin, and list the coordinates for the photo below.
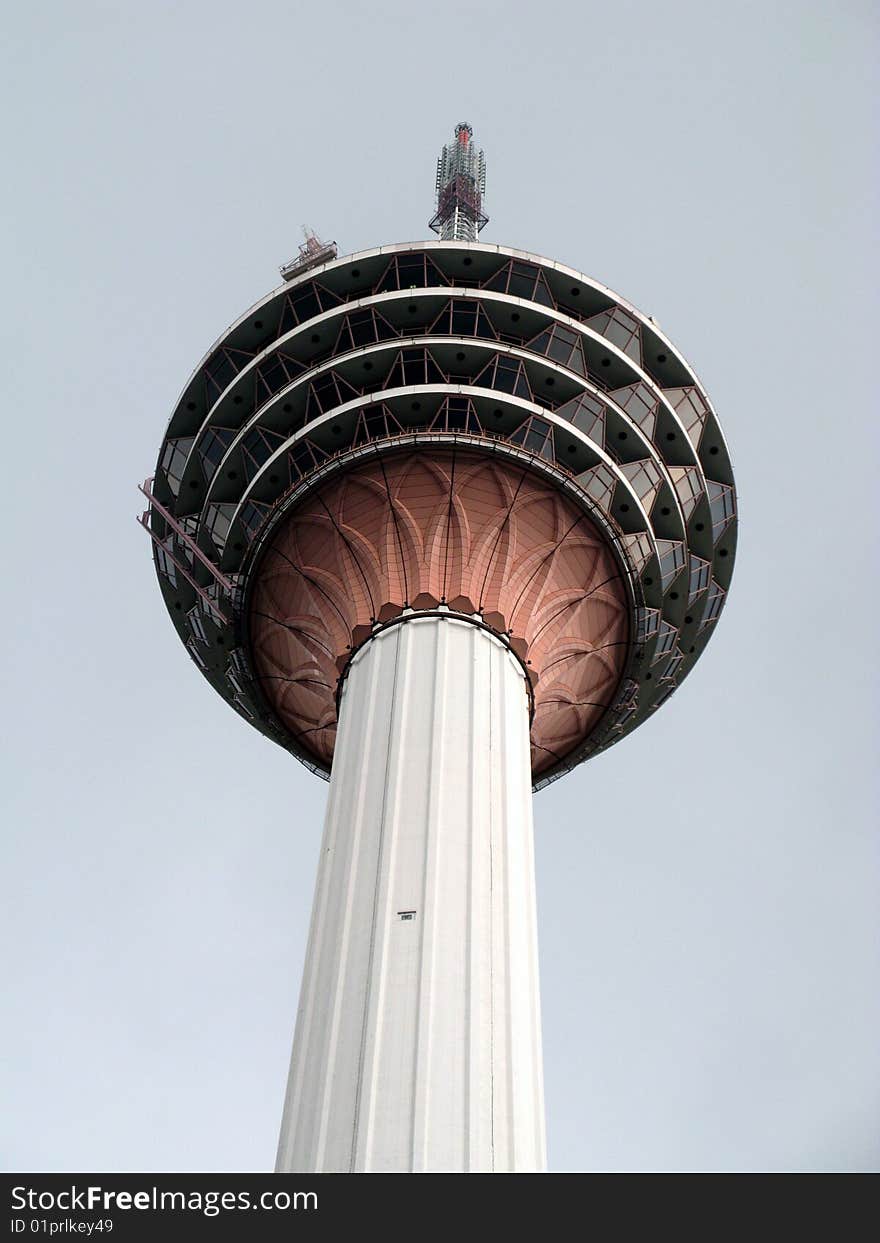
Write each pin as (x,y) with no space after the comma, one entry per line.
(440,527)
(459,346)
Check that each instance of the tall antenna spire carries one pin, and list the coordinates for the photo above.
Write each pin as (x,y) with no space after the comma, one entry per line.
(461,184)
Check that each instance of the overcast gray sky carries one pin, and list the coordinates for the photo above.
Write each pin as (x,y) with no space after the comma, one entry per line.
(707,889)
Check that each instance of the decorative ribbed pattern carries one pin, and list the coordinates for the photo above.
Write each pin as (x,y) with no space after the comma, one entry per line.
(431,526)
(418,1044)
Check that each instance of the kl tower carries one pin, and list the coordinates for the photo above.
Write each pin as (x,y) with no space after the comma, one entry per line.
(443,520)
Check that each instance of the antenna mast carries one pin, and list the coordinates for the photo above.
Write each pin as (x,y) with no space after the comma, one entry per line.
(461,184)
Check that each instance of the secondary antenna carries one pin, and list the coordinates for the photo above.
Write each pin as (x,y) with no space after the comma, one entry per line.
(312,252)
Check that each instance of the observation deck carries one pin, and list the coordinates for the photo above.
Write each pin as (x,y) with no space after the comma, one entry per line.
(357,365)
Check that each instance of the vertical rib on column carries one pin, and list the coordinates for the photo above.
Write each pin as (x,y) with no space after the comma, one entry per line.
(418,1038)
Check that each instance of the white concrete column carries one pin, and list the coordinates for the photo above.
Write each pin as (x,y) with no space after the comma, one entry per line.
(418,1035)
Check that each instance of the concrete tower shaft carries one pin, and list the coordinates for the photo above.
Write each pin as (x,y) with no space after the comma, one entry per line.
(418,1037)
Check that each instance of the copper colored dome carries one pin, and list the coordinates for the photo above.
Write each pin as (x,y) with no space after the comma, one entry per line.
(429,527)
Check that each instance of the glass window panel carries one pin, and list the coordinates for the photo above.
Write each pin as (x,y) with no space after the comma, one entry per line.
(577,362)
(344,341)
(363,329)
(662,697)
(375,422)
(648,624)
(218,373)
(542,292)
(288,318)
(599,484)
(442,325)
(618,334)
(671,669)
(291,366)
(639,548)
(541,343)
(666,636)
(165,563)
(327,298)
(384,329)
(699,577)
(304,304)
(324,390)
(258,446)
(521,287)
(389,278)
(395,375)
(622,317)
(498,282)
(174,460)
(213,446)
(252,515)
(484,326)
(691,410)
(599,322)
(560,346)
(639,404)
(234,680)
(506,374)
(522,280)
(433,274)
(344,389)
(536,438)
(518,437)
(195,653)
(522,388)
(361,435)
(721,505)
(686,481)
(586,413)
(411,269)
(218,518)
(464,318)
(197,626)
(645,479)
(414,366)
(456,419)
(714,602)
(302,459)
(671,555)
(273,375)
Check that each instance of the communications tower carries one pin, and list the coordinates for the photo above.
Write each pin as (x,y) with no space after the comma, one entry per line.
(442,519)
